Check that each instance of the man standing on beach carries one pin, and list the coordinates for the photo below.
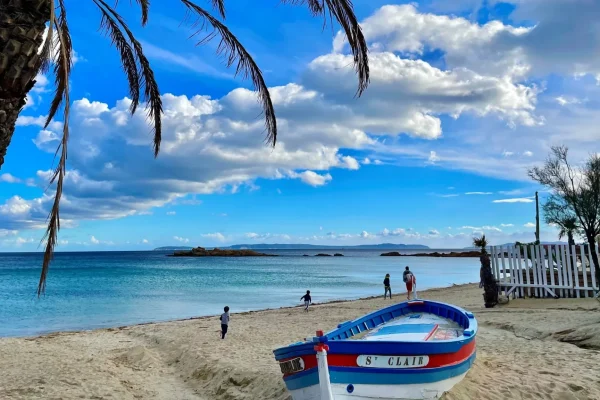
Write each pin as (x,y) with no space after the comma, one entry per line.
(224,322)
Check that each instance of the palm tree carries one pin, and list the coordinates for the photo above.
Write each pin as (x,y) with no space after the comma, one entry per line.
(22,27)
(487,280)
(568,227)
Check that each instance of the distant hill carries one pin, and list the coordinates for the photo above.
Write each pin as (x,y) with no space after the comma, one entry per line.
(297,246)
(165,248)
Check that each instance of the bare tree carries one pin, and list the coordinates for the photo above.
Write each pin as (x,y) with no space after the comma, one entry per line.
(576,190)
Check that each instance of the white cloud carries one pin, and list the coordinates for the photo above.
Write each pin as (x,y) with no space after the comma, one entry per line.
(8,178)
(94,240)
(181,239)
(433,157)
(529,225)
(482,228)
(312,178)
(478,193)
(434,232)
(515,200)
(144,241)
(171,212)
(216,236)
(506,225)
(528,154)
(507,153)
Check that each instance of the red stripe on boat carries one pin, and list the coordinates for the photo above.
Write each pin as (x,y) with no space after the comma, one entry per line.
(349,360)
(415,303)
(431,333)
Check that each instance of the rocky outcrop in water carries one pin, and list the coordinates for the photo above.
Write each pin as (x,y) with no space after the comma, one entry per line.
(202,252)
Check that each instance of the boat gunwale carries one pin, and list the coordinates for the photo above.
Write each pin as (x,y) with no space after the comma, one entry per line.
(347,345)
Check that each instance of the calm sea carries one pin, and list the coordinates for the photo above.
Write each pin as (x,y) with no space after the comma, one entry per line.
(103,289)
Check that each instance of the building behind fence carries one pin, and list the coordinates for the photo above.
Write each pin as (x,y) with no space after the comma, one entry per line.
(545,270)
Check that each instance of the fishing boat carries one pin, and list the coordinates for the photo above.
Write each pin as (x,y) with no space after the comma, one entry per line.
(412,350)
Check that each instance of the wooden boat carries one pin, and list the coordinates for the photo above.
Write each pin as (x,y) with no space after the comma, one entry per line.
(412,350)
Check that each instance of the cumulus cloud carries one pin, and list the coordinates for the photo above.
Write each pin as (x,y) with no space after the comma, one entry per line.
(529,225)
(214,145)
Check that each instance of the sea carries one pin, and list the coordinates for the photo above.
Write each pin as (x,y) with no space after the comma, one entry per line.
(89,290)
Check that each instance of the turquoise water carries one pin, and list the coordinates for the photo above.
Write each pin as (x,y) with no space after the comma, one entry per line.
(105,289)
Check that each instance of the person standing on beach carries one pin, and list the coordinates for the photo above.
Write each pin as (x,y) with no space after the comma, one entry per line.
(307,300)
(387,287)
(224,322)
(410,280)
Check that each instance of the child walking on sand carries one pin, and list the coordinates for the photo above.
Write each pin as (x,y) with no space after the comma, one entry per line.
(387,287)
(307,300)
(224,322)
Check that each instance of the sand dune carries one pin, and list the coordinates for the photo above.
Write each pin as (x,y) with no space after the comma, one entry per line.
(528,349)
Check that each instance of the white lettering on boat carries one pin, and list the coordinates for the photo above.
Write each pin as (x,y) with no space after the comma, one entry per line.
(372,361)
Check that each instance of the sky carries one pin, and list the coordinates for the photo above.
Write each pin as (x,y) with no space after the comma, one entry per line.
(465,96)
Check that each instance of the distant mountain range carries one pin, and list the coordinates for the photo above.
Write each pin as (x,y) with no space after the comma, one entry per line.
(296,246)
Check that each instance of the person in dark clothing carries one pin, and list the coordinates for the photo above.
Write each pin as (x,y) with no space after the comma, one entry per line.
(406,272)
(387,287)
(307,300)
(224,322)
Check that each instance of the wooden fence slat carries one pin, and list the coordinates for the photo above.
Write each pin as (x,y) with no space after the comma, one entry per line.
(569,273)
(496,270)
(540,269)
(527,269)
(583,271)
(503,265)
(550,264)
(560,268)
(575,270)
(584,260)
(534,270)
(543,269)
(513,275)
(519,272)
(566,279)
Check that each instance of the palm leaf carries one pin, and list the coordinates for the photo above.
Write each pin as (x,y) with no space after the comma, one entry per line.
(62,70)
(128,59)
(343,11)
(219,5)
(231,48)
(151,91)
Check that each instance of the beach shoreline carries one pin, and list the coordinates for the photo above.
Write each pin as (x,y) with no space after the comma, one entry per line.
(521,346)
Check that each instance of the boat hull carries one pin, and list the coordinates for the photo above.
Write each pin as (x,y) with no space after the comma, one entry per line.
(369,364)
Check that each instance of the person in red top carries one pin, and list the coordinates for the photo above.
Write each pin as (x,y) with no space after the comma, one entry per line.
(410,280)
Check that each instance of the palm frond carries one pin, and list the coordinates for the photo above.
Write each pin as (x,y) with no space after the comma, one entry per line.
(233,51)
(147,80)
(62,70)
(128,59)
(343,11)
(46,53)
(219,5)
(65,51)
(145,6)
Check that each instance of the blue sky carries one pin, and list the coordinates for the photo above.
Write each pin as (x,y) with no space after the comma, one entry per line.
(465,97)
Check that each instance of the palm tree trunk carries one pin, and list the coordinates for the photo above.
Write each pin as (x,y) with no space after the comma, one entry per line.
(571,239)
(22,24)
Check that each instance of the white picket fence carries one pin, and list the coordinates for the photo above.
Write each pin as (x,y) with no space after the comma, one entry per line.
(522,276)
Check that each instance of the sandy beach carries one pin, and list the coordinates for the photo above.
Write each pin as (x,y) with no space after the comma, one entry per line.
(528,349)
